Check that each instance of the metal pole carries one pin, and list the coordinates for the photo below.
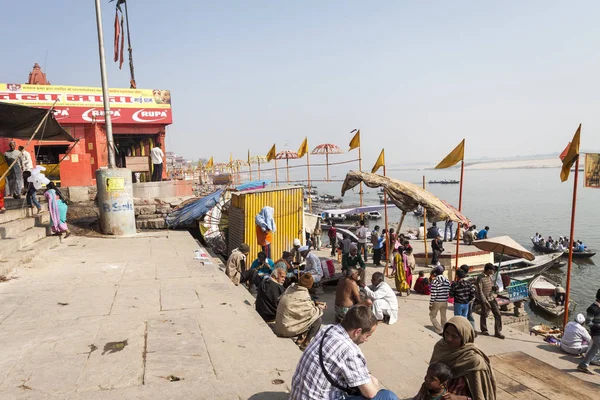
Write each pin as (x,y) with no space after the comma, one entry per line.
(132,83)
(107,118)
(361,184)
(327,163)
(425,226)
(309,184)
(387,233)
(287,168)
(571,240)
(462,174)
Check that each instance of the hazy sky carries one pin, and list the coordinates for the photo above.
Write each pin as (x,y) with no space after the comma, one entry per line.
(513,77)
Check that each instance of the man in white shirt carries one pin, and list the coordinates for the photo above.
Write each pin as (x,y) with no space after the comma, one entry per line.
(576,340)
(156,154)
(26,157)
(384,299)
(361,234)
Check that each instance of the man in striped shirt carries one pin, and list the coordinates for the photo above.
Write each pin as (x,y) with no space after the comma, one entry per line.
(487,298)
(463,292)
(438,303)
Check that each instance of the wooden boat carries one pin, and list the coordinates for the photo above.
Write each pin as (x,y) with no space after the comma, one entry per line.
(523,267)
(576,254)
(541,293)
(446,182)
(367,215)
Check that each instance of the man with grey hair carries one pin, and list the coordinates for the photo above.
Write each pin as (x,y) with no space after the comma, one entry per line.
(385,302)
(15,174)
(268,294)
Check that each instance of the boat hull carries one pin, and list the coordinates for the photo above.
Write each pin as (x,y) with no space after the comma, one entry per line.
(576,254)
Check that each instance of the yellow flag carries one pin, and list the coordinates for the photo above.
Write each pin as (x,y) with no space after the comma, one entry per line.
(210,163)
(355,142)
(570,155)
(271,154)
(303,148)
(456,155)
(380,162)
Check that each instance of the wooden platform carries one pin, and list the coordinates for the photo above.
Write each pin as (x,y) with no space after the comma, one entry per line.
(520,376)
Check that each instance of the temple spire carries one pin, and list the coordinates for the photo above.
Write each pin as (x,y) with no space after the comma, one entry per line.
(37,77)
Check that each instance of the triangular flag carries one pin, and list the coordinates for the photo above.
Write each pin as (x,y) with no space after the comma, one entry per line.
(571,155)
(380,162)
(303,148)
(355,142)
(456,155)
(209,164)
(271,154)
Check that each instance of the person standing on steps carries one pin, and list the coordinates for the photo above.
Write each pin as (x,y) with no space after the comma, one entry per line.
(361,234)
(15,175)
(438,302)
(332,235)
(377,242)
(157,155)
(486,297)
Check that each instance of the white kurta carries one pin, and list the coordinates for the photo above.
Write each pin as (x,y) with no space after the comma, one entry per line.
(313,265)
(385,301)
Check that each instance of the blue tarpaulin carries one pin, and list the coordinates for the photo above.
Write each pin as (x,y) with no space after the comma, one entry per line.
(193,211)
(253,185)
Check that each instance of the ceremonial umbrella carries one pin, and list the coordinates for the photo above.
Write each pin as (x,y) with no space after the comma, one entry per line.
(327,149)
(287,155)
(258,160)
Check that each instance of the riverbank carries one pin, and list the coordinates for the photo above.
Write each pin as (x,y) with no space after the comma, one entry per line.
(140,318)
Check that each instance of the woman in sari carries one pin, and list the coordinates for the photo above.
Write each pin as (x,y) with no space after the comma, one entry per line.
(400,274)
(409,264)
(473,377)
(3,168)
(58,211)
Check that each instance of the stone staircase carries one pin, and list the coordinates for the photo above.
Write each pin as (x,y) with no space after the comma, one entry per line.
(23,234)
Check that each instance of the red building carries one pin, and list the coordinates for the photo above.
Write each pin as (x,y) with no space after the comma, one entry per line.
(139,120)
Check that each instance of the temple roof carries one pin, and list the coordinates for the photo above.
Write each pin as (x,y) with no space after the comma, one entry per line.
(37,77)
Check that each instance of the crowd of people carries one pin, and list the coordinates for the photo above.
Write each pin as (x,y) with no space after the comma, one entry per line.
(333,366)
(560,244)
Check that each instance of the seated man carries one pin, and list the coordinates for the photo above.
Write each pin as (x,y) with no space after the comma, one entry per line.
(354,260)
(483,234)
(295,251)
(468,236)
(384,299)
(268,294)
(419,282)
(297,313)
(263,265)
(235,268)
(347,293)
(433,231)
(576,340)
(313,264)
(559,296)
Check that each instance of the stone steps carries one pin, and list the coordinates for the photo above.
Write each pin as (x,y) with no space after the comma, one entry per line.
(12,228)
(15,214)
(10,245)
(27,254)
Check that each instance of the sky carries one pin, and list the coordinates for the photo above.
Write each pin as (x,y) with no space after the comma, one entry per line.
(512,77)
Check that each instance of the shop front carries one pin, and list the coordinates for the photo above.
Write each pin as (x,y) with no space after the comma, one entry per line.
(139,119)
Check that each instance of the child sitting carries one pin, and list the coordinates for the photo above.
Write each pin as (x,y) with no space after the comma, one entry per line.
(426,287)
(435,385)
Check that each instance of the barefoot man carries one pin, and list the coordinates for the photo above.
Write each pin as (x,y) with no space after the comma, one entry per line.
(347,293)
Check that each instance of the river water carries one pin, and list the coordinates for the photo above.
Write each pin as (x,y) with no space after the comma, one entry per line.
(513,202)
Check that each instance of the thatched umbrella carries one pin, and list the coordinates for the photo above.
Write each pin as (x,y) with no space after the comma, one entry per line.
(406,196)
(327,149)
(287,155)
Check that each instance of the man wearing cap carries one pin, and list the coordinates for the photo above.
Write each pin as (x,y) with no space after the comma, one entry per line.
(297,313)
(236,263)
(296,253)
(576,339)
(313,264)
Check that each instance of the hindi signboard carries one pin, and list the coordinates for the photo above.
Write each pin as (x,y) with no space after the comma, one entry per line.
(592,170)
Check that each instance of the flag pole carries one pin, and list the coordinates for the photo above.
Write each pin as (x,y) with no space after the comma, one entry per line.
(327,162)
(287,167)
(425,226)
(571,241)
(258,168)
(276,175)
(309,186)
(360,169)
(250,165)
(387,233)
(460,196)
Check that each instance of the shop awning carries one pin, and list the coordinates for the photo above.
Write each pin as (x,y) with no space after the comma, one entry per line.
(19,122)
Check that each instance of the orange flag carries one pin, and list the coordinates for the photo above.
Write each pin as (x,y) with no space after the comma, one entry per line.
(570,155)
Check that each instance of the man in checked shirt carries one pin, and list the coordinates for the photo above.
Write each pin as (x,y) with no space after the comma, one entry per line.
(486,297)
(333,367)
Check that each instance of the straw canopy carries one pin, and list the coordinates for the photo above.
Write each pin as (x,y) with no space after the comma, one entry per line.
(504,245)
(258,159)
(406,196)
